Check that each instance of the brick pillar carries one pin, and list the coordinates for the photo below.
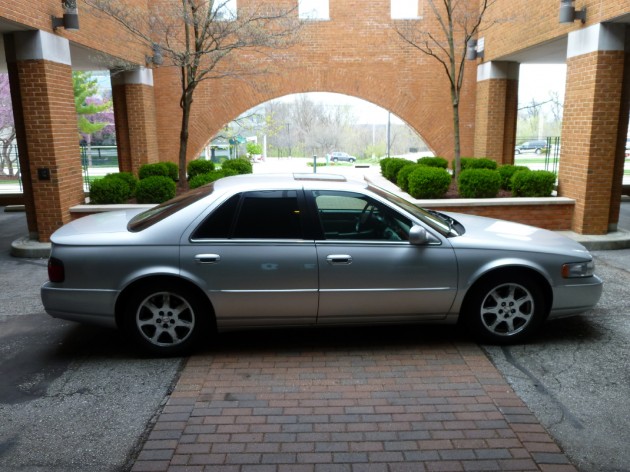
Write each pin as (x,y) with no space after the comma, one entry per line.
(591,125)
(134,113)
(497,104)
(40,75)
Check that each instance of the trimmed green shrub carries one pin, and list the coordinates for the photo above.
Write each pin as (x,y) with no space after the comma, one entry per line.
(402,179)
(127,177)
(434,162)
(199,167)
(428,182)
(383,164)
(507,172)
(151,170)
(242,166)
(536,183)
(477,163)
(173,170)
(109,191)
(393,167)
(155,189)
(203,179)
(479,183)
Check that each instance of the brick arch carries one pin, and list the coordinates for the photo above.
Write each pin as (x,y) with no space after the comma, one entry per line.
(369,63)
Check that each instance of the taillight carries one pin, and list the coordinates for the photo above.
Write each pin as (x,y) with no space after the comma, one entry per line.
(56,272)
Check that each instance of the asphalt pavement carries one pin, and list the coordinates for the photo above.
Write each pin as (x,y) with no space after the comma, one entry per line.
(78,398)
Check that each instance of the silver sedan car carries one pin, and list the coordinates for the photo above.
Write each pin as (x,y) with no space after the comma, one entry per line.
(260,251)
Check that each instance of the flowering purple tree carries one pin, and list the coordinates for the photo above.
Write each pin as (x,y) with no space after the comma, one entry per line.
(7,126)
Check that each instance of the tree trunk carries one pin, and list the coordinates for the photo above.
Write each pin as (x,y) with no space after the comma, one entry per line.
(183,140)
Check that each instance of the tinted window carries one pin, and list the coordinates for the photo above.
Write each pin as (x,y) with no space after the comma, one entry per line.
(219,223)
(269,214)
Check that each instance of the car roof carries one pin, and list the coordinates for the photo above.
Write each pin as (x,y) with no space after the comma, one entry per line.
(295,180)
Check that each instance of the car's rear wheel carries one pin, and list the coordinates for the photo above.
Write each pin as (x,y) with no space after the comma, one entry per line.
(334,159)
(505,310)
(165,319)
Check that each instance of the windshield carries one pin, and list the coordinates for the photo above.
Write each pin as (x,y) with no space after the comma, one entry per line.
(436,220)
(157,213)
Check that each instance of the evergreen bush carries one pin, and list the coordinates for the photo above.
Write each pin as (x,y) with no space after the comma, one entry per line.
(155,189)
(127,177)
(393,167)
(434,162)
(402,179)
(479,183)
(151,170)
(242,166)
(507,172)
(173,170)
(536,183)
(109,191)
(203,179)
(199,167)
(428,182)
(477,163)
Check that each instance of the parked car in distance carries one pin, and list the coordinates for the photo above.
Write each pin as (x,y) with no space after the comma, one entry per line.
(536,146)
(341,156)
(269,250)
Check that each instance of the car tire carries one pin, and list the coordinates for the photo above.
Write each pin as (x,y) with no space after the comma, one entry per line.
(538,151)
(505,309)
(351,160)
(165,319)
(517,151)
(334,159)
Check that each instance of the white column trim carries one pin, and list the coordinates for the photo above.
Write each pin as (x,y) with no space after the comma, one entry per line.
(139,76)
(40,45)
(498,70)
(599,37)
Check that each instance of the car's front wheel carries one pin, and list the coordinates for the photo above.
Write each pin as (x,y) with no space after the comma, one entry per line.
(505,310)
(165,319)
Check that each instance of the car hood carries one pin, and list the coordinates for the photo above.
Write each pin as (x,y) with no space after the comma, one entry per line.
(86,230)
(489,233)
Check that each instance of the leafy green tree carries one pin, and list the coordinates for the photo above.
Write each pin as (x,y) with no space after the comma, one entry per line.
(88,106)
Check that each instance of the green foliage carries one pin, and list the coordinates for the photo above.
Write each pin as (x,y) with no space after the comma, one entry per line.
(434,162)
(383,164)
(402,179)
(173,170)
(506,172)
(85,86)
(152,170)
(199,167)
(253,148)
(155,189)
(536,183)
(242,166)
(479,183)
(428,182)
(109,191)
(477,163)
(205,178)
(393,166)
(127,177)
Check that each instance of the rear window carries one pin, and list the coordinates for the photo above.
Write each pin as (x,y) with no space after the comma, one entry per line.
(163,210)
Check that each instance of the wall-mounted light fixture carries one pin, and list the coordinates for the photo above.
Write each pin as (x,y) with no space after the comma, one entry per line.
(568,13)
(474,49)
(157,58)
(70,18)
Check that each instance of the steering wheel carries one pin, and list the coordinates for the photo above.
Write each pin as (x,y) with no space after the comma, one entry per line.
(364,217)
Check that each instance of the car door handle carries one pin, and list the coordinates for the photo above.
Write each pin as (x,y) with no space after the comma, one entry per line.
(207,258)
(339,259)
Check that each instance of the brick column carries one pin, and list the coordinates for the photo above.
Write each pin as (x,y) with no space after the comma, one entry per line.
(134,113)
(40,76)
(591,126)
(497,104)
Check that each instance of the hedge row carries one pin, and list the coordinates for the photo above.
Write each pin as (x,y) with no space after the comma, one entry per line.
(479,178)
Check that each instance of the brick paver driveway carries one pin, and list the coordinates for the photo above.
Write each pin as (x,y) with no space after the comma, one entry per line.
(392,399)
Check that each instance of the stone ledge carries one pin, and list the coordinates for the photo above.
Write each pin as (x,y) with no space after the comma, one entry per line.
(489,202)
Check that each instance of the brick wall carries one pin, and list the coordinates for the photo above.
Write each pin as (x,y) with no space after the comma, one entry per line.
(589,137)
(355,53)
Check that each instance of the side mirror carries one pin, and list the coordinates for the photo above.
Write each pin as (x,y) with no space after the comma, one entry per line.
(418,236)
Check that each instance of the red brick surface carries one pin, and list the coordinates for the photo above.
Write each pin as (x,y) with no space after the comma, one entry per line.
(426,407)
